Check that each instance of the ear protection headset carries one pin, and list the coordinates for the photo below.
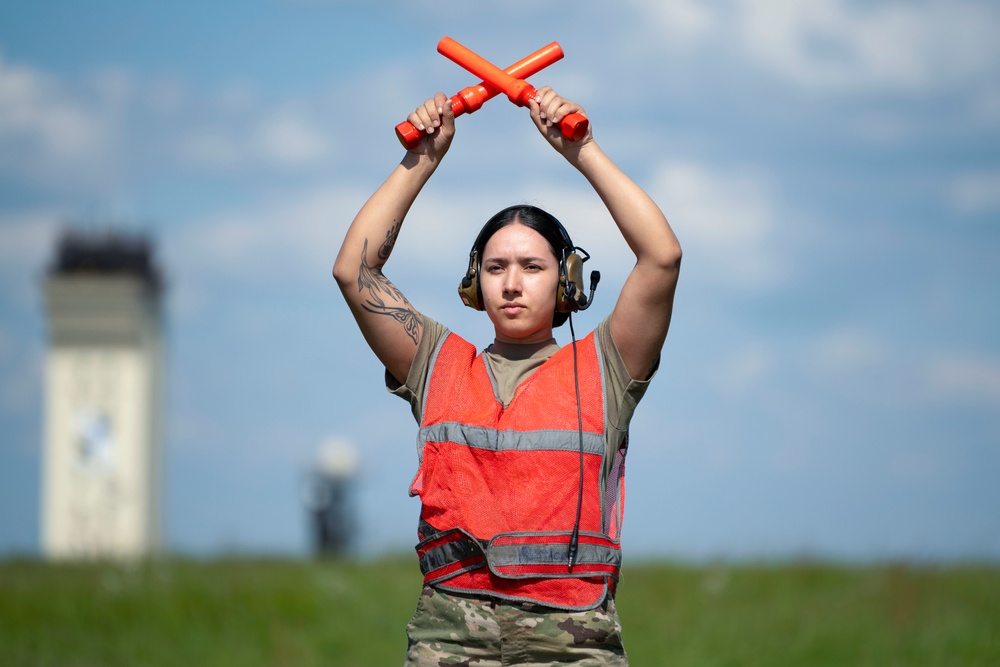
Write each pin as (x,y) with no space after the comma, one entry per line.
(570,295)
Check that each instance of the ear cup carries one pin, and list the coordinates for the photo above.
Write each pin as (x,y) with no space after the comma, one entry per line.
(468,289)
(571,296)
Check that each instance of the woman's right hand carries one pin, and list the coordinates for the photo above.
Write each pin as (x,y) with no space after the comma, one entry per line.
(435,120)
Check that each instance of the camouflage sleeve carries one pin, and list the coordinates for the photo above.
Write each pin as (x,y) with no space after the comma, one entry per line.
(623,393)
(413,390)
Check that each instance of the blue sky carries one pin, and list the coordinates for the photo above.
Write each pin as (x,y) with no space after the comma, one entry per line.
(831,382)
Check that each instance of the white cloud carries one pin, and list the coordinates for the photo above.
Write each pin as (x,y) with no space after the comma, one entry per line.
(918,465)
(26,237)
(80,134)
(26,242)
(969,378)
(298,234)
(881,368)
(882,128)
(166,96)
(746,369)
(214,148)
(975,192)
(235,98)
(848,350)
(289,140)
(839,44)
(686,22)
(280,138)
(986,107)
(727,217)
(44,128)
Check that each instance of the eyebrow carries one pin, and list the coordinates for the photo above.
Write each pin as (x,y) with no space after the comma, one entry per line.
(520,260)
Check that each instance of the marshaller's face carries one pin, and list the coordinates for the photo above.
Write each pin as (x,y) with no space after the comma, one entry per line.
(519,278)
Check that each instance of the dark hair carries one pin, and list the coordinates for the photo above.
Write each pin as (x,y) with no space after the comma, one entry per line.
(534,218)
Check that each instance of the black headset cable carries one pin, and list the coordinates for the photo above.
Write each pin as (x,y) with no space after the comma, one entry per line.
(574,541)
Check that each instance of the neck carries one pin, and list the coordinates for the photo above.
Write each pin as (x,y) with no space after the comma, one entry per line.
(519,349)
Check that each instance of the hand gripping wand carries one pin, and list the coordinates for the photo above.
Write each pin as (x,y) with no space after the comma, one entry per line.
(472,98)
(520,92)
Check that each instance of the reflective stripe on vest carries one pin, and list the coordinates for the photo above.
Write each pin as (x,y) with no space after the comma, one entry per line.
(498,441)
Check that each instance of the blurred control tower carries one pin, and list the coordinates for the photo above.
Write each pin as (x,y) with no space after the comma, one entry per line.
(328,496)
(101,470)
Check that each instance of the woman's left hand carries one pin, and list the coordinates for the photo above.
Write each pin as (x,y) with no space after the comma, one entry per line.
(547,110)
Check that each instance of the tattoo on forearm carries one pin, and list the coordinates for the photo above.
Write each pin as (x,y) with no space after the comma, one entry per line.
(381,289)
(390,240)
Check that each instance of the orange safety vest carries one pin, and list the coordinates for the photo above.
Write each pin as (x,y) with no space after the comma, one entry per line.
(499,485)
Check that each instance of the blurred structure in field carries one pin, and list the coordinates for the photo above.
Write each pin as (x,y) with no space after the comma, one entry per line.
(328,495)
(101,470)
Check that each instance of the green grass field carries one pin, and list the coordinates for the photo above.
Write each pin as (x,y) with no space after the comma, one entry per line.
(244,612)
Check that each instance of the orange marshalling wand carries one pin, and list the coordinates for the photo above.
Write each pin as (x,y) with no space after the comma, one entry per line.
(518,91)
(495,81)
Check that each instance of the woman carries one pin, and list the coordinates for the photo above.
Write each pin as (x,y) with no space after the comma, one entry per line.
(522,446)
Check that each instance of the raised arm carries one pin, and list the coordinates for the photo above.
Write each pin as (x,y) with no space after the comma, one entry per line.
(390,324)
(642,313)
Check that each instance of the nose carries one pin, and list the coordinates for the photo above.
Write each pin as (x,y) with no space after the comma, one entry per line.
(512,281)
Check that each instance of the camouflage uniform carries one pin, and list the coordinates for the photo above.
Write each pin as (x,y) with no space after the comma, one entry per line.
(472,631)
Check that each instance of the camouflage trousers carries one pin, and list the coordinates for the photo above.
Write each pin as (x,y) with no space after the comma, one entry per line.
(469,631)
